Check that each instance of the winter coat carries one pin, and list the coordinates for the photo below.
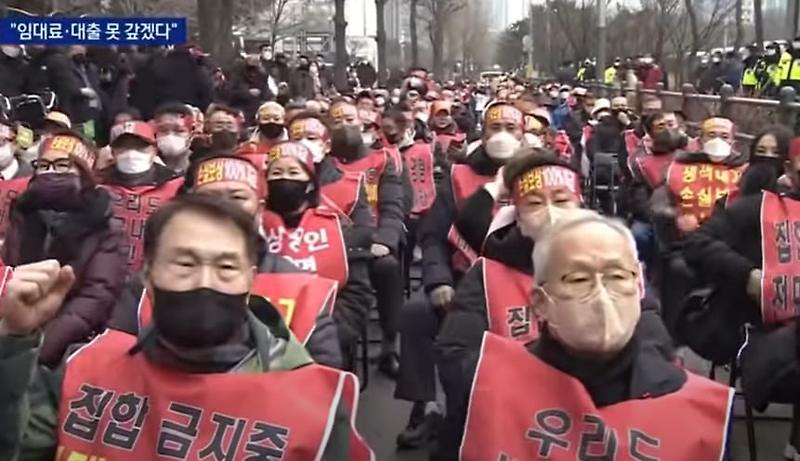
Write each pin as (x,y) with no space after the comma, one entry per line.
(85,240)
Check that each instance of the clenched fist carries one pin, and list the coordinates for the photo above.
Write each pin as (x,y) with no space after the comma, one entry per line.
(33,296)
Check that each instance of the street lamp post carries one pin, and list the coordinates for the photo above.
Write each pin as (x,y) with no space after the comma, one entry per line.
(601,38)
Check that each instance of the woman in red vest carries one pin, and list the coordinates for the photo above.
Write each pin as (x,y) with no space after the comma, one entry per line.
(62,215)
(316,238)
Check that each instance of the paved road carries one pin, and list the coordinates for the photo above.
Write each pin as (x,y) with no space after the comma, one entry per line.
(381,418)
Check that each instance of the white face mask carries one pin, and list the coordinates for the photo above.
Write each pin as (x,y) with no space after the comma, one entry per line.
(395,100)
(422,116)
(368,138)
(501,146)
(531,140)
(534,225)
(717,149)
(603,322)
(173,145)
(133,161)
(315,148)
(10,50)
(267,55)
(6,154)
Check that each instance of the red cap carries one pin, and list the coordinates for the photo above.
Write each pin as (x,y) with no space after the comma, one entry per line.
(293,149)
(72,144)
(141,130)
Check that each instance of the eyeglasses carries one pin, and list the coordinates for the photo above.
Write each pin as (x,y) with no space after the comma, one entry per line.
(578,285)
(61,165)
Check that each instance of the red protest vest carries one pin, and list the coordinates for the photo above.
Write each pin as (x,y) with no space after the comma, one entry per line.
(397,159)
(558,420)
(316,245)
(696,186)
(142,411)
(780,262)
(632,141)
(653,167)
(465,181)
(342,195)
(561,145)
(300,298)
(372,166)
(9,190)
(507,293)
(445,139)
(132,206)
(419,163)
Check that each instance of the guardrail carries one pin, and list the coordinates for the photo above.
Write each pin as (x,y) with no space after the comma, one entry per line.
(749,114)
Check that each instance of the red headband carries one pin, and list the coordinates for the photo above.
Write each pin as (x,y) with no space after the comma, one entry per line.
(504,111)
(293,150)
(227,169)
(300,128)
(544,178)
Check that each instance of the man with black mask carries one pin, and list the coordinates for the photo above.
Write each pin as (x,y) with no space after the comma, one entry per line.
(205,352)
(222,130)
(647,173)
(386,197)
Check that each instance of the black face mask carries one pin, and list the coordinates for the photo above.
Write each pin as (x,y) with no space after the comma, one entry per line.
(394,138)
(346,142)
(79,59)
(762,174)
(224,139)
(54,191)
(198,318)
(270,130)
(285,196)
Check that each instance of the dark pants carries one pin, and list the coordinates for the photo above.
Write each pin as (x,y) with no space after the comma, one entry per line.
(387,279)
(419,324)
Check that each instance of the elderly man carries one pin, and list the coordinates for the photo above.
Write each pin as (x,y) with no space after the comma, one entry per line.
(205,366)
(592,382)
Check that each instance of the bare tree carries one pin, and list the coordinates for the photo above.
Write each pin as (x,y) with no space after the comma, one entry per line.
(412,26)
(758,19)
(739,26)
(439,12)
(701,34)
(215,20)
(380,39)
(340,40)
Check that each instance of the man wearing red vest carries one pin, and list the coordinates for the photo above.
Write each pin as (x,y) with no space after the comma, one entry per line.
(591,383)
(695,180)
(748,253)
(174,124)
(205,370)
(234,178)
(343,192)
(386,196)
(449,139)
(137,184)
(446,257)
(647,174)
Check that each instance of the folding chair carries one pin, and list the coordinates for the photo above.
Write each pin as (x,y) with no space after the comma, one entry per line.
(749,419)
(604,181)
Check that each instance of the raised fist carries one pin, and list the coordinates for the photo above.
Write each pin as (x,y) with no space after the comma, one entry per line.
(33,296)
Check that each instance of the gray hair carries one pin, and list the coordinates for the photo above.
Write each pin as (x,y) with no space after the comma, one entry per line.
(542,247)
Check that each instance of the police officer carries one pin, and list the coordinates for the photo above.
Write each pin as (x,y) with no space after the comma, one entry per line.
(596,377)
(610,73)
(205,350)
(750,75)
(791,74)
